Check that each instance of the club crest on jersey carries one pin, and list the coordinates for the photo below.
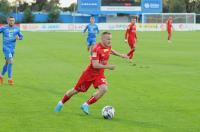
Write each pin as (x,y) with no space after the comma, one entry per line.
(94,54)
(105,50)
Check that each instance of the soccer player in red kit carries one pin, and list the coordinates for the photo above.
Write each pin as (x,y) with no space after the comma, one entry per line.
(131,37)
(93,74)
(169,28)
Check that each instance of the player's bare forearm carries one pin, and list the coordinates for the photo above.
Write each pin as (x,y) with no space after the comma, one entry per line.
(98,65)
(113,52)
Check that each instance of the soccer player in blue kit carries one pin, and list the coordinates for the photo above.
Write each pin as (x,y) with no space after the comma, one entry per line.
(92,29)
(11,33)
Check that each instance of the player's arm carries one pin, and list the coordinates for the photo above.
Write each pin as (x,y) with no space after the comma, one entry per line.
(19,35)
(86,28)
(97,65)
(166,25)
(1,29)
(127,33)
(95,61)
(136,37)
(172,26)
(97,30)
(113,52)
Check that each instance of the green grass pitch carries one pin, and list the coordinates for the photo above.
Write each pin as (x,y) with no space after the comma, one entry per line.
(161,93)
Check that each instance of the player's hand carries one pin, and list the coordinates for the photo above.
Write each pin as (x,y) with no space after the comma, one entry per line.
(125,40)
(17,37)
(111,67)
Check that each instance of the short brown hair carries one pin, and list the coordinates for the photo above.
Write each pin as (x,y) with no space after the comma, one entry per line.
(10,17)
(106,33)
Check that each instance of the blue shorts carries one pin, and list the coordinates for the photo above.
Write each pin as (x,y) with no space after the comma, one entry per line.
(91,41)
(8,53)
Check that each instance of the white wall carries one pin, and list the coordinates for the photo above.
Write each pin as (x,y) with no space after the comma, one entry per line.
(106,26)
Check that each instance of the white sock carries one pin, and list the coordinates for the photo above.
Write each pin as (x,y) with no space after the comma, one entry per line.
(60,102)
(85,103)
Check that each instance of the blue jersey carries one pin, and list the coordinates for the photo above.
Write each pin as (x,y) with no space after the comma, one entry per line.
(9,36)
(92,30)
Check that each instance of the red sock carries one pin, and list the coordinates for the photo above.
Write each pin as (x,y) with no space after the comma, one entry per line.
(91,100)
(131,56)
(65,98)
(130,52)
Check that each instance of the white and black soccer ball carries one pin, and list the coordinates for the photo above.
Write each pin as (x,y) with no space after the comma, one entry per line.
(108,112)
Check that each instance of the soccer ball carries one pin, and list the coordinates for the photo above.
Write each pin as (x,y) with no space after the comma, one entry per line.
(108,112)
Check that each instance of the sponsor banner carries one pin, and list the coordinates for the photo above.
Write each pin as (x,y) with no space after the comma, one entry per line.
(18,25)
(107,26)
(88,5)
(162,27)
(121,8)
(151,6)
(43,27)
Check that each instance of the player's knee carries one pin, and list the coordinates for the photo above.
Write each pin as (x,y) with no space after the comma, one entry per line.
(104,89)
(9,61)
(71,92)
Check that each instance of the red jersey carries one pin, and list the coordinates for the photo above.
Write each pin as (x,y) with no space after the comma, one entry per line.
(131,32)
(169,25)
(100,53)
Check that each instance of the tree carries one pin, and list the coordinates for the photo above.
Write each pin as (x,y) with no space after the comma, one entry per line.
(181,6)
(177,6)
(192,6)
(165,6)
(54,12)
(4,10)
(40,5)
(28,16)
(22,7)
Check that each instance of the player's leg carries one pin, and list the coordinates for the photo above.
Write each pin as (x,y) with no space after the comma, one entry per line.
(130,44)
(81,86)
(169,36)
(9,62)
(132,52)
(100,84)
(5,66)
(88,44)
(93,42)
(132,49)
(65,98)
(10,65)
(102,89)
(3,72)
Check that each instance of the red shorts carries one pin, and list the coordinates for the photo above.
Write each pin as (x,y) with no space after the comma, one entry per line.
(131,43)
(169,31)
(87,79)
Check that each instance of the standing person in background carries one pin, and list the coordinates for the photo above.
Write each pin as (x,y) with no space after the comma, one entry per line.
(11,33)
(131,38)
(92,30)
(169,28)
